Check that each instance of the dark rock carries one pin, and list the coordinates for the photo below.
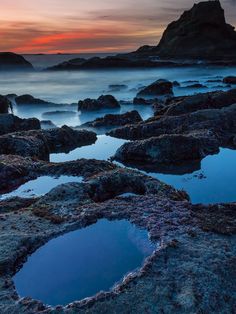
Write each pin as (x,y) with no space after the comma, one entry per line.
(197,85)
(117,87)
(47,124)
(65,113)
(197,34)
(30,100)
(115,120)
(229,80)
(21,169)
(10,123)
(142,101)
(176,83)
(40,143)
(103,102)
(187,104)
(168,149)
(120,61)
(158,88)
(5,104)
(216,123)
(12,61)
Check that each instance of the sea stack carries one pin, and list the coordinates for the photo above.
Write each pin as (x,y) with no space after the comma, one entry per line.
(201,32)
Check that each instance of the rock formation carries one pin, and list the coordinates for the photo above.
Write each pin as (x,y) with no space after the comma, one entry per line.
(201,32)
(115,120)
(12,61)
(103,102)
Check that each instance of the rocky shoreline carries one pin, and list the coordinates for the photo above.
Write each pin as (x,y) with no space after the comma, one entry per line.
(196,243)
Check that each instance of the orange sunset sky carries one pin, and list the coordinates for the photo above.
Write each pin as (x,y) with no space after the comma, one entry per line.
(52,26)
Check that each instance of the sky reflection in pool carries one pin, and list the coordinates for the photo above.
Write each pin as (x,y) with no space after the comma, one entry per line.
(214,183)
(83,262)
(40,186)
(102,149)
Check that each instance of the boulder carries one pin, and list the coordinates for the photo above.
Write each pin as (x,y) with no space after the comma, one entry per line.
(13,61)
(115,120)
(229,80)
(10,123)
(103,102)
(117,87)
(47,124)
(30,100)
(5,104)
(167,149)
(158,88)
(220,122)
(200,32)
(187,104)
(40,143)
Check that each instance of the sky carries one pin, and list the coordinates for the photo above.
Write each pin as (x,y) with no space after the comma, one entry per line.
(79,26)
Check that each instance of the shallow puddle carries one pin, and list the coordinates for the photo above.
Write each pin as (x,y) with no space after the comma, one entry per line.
(104,148)
(214,183)
(40,186)
(81,263)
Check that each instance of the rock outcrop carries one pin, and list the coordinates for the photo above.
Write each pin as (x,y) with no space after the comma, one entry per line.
(40,143)
(111,120)
(187,104)
(158,88)
(10,123)
(30,100)
(229,80)
(201,32)
(170,139)
(103,102)
(11,61)
(5,104)
(168,149)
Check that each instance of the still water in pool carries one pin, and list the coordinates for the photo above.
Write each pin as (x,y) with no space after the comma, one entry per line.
(81,263)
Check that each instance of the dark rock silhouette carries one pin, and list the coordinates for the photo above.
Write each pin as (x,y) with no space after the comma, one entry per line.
(103,102)
(13,61)
(158,88)
(201,32)
(4,104)
(115,120)
(30,100)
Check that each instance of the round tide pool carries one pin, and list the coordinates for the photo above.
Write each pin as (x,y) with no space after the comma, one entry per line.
(81,263)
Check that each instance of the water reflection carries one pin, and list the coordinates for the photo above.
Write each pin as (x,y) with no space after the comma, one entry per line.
(83,262)
(40,186)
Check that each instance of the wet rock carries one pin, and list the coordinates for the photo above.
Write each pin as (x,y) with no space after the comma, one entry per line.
(115,120)
(5,104)
(10,123)
(21,169)
(30,100)
(176,84)
(158,88)
(142,101)
(117,87)
(65,113)
(47,124)
(215,124)
(40,143)
(167,149)
(12,61)
(176,226)
(197,85)
(103,102)
(229,80)
(187,104)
